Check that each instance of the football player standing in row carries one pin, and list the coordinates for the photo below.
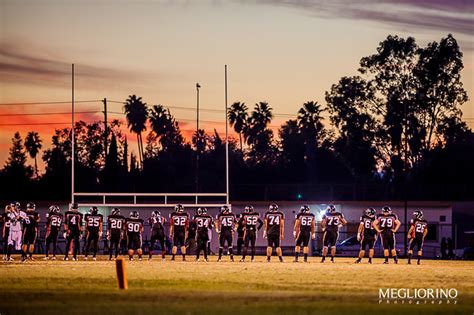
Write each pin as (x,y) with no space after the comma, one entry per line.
(134,230)
(204,225)
(387,224)
(225,228)
(72,230)
(16,217)
(274,230)
(303,231)
(6,229)
(115,231)
(94,221)
(54,220)
(179,223)
(366,234)
(157,223)
(330,223)
(417,234)
(251,223)
(30,231)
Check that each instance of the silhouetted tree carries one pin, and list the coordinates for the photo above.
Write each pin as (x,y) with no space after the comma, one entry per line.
(33,145)
(237,115)
(258,135)
(136,113)
(15,167)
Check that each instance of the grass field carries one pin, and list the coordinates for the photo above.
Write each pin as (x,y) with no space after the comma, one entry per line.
(155,287)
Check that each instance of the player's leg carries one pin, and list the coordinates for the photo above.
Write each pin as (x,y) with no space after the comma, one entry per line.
(48,242)
(230,248)
(363,244)
(68,245)
(32,243)
(410,250)
(333,245)
(139,246)
(297,247)
(206,246)
(240,243)
(10,245)
(384,239)
(420,250)
(130,247)
(221,245)
(182,242)
(278,249)
(174,250)
(305,246)
(269,247)
(24,246)
(163,247)
(393,250)
(96,246)
(371,249)
(253,240)
(325,246)
(153,240)
(246,240)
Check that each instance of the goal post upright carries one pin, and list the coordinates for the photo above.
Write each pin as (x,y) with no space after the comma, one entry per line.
(226,141)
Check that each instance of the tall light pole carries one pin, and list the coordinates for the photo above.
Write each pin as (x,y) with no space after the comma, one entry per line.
(73,136)
(198,86)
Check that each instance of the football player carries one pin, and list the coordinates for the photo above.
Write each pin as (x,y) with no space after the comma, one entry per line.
(366,234)
(72,230)
(330,223)
(94,221)
(225,228)
(134,229)
(6,229)
(204,224)
(54,220)
(274,230)
(115,231)
(416,235)
(387,224)
(16,217)
(304,229)
(240,234)
(30,231)
(157,223)
(251,223)
(179,223)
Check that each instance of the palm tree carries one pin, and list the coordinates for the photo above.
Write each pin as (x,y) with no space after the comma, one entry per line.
(309,121)
(260,117)
(237,115)
(136,112)
(33,146)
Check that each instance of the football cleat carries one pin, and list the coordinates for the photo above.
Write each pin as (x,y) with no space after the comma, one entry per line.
(53,258)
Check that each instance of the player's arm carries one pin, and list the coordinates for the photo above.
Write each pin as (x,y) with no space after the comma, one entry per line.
(343,221)
(425,232)
(323,224)
(216,224)
(171,227)
(360,230)
(313,229)
(282,228)
(375,224)
(296,228)
(410,231)
(397,225)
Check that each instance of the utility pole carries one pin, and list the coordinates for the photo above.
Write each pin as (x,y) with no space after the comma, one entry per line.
(198,86)
(405,193)
(106,133)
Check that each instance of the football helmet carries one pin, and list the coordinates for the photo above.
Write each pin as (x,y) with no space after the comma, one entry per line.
(225,209)
(331,209)
(94,210)
(74,206)
(248,209)
(386,210)
(418,214)
(16,204)
(54,209)
(273,207)
(115,211)
(155,214)
(199,211)
(179,208)
(31,206)
(203,210)
(304,209)
(370,212)
(134,214)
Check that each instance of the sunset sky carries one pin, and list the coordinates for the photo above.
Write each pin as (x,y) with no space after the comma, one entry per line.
(284,52)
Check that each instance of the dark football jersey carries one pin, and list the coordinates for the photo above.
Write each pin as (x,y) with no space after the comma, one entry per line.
(367,223)
(93,221)
(333,220)
(157,223)
(273,222)
(306,221)
(54,221)
(133,226)
(250,221)
(6,220)
(387,222)
(227,221)
(31,220)
(73,219)
(115,223)
(179,220)
(203,223)
(420,226)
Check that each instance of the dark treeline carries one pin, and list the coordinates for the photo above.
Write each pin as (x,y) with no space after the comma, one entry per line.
(395,129)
